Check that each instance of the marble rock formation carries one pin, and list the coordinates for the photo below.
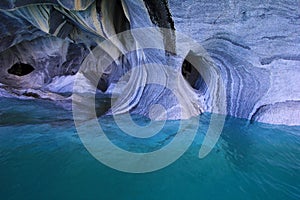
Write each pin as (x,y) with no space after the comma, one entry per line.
(251,48)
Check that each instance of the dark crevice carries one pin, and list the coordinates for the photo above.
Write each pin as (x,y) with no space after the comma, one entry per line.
(102,105)
(229,40)
(191,69)
(98,7)
(103,82)
(120,20)
(31,94)
(256,113)
(190,73)
(56,18)
(263,108)
(266,61)
(59,24)
(273,37)
(20,69)
(159,13)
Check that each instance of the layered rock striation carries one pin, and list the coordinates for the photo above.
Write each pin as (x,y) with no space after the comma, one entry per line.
(251,48)
(256,45)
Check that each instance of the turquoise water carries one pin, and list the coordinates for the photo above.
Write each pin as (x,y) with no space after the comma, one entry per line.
(42,157)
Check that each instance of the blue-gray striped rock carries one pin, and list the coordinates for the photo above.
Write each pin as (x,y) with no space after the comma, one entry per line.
(252,46)
(256,45)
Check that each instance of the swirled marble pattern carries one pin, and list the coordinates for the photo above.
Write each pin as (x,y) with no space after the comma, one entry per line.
(254,46)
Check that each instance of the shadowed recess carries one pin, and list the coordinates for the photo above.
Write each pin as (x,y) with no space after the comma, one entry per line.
(20,69)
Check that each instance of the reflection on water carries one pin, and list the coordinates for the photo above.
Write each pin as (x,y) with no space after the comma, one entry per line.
(42,157)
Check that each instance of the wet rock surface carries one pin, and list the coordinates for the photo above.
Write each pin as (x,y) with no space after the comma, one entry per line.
(254,48)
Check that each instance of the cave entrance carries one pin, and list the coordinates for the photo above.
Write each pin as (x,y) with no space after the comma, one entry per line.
(190,73)
(20,69)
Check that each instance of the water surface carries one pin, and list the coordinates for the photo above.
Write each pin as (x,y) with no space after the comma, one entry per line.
(42,157)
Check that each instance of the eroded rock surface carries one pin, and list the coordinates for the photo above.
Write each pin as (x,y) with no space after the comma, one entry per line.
(256,45)
(254,48)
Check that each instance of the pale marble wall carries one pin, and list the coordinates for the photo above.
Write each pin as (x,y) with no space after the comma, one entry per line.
(254,44)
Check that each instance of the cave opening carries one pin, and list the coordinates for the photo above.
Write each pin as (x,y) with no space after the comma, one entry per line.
(190,73)
(20,69)
(193,68)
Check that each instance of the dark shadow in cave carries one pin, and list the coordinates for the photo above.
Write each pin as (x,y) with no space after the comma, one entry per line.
(192,75)
(103,82)
(102,104)
(20,69)
(189,73)
(120,20)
